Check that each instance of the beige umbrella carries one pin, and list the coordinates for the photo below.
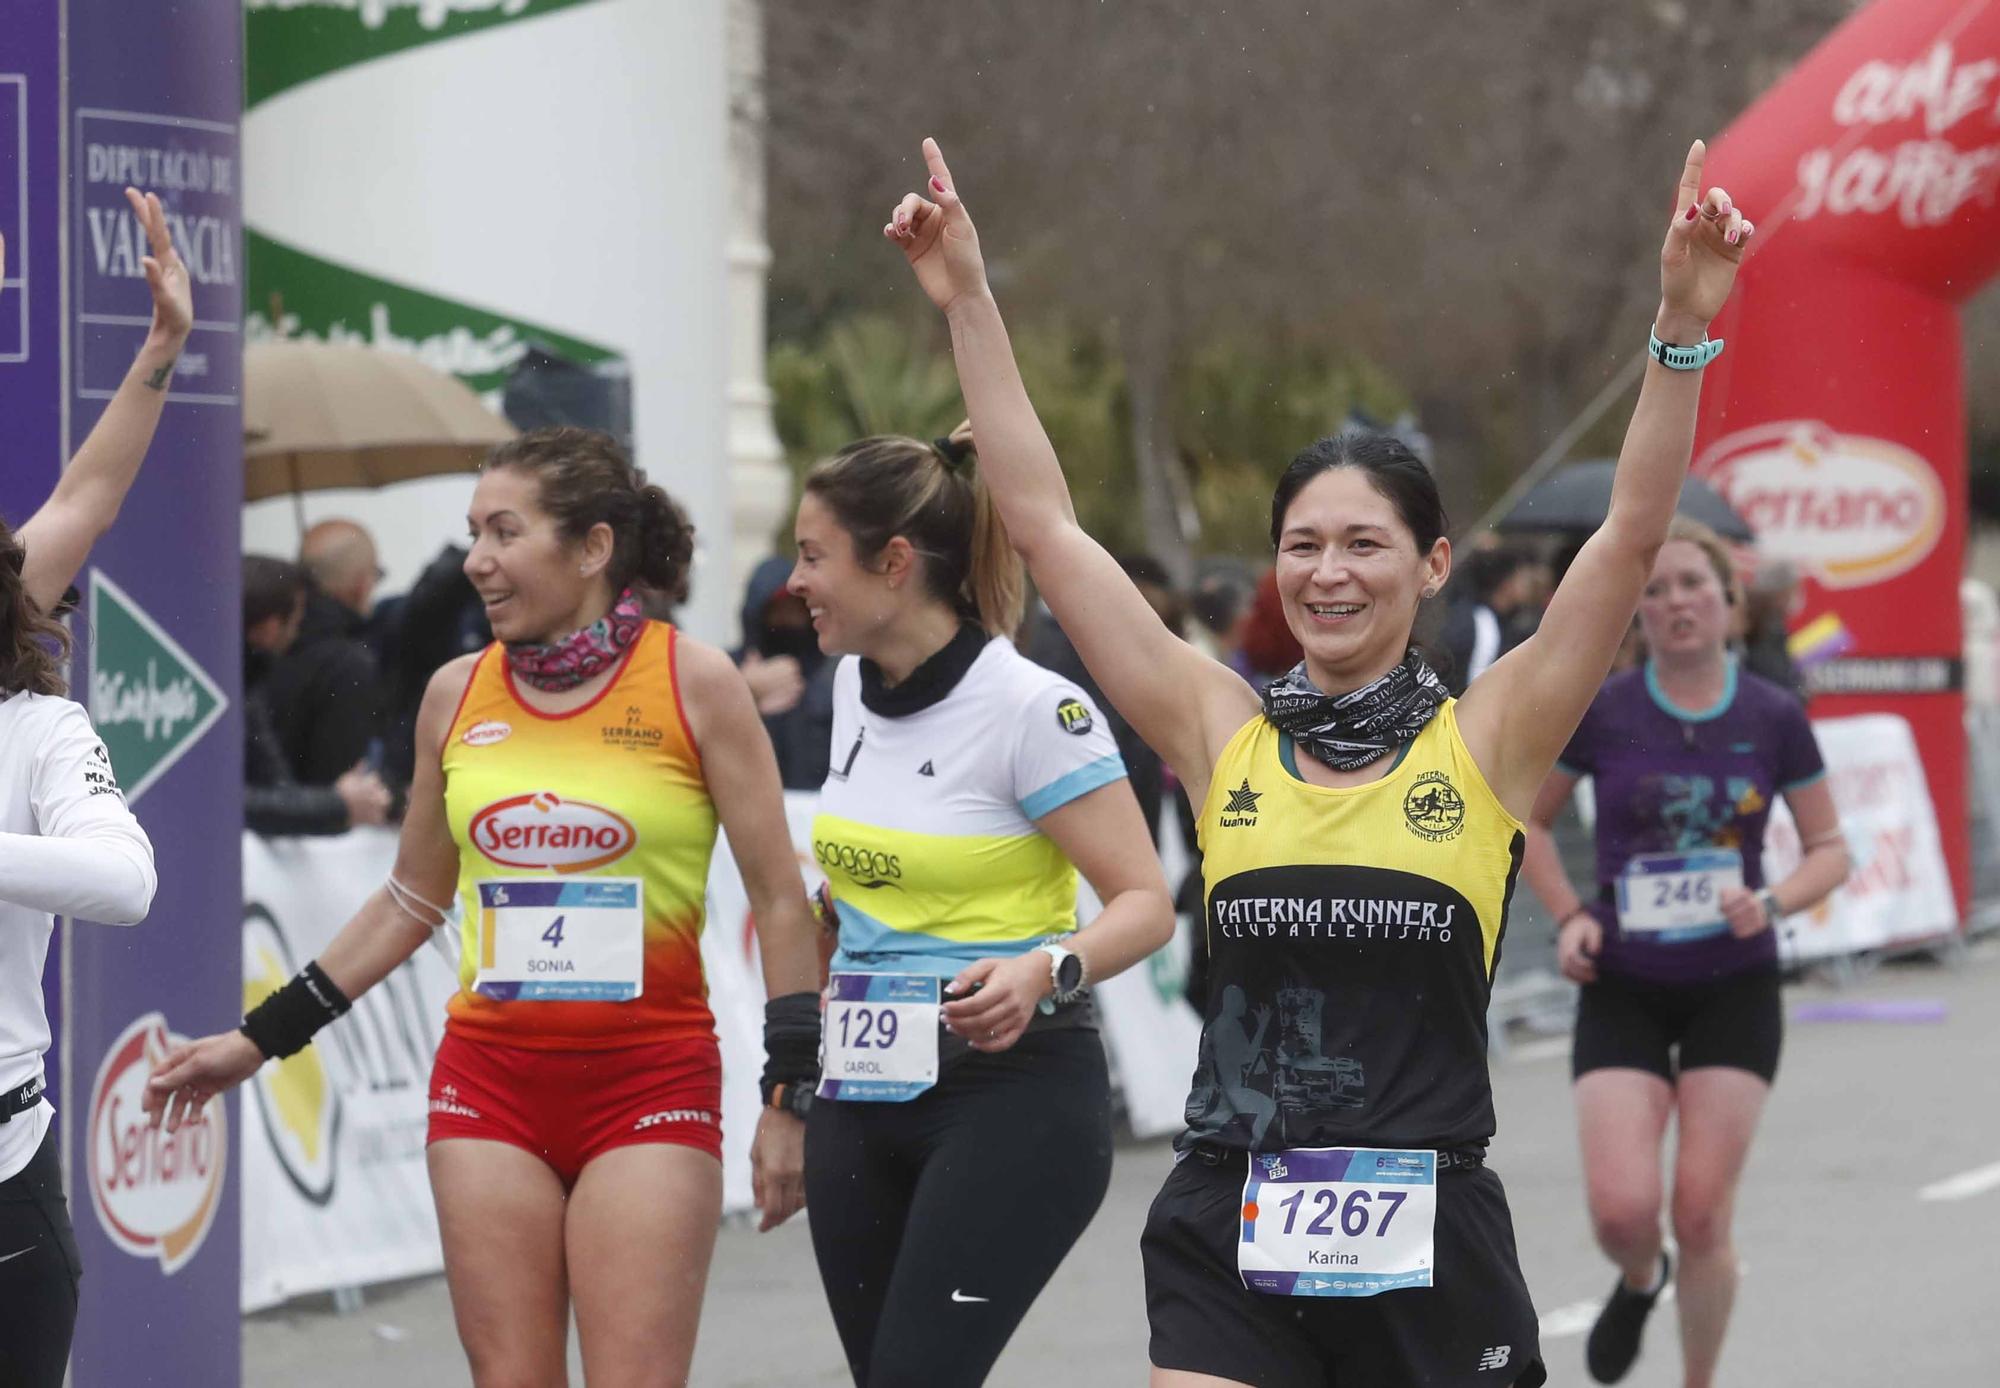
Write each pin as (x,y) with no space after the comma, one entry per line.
(319,415)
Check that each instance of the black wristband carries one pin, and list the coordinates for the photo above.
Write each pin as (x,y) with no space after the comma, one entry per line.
(791,1042)
(284,1023)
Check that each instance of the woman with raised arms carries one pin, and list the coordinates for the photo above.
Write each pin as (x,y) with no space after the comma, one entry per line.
(1330,1217)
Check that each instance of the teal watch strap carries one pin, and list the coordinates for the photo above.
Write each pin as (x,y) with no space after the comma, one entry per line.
(1684,358)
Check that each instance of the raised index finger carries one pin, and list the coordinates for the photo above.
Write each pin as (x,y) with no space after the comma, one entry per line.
(934,159)
(1691,176)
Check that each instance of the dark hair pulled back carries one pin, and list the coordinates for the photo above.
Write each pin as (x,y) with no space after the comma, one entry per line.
(932,495)
(33,649)
(1391,468)
(585,480)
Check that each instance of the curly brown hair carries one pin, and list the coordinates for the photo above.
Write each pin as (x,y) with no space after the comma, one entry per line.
(33,649)
(586,479)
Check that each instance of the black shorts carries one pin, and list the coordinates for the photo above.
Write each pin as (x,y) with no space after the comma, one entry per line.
(1738,1021)
(39,1269)
(1476,1328)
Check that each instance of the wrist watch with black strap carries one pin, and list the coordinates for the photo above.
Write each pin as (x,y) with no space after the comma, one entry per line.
(791,1096)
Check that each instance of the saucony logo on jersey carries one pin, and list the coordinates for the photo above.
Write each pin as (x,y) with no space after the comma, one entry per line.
(927,770)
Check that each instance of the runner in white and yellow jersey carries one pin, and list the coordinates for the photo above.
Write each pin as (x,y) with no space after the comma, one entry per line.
(960,1137)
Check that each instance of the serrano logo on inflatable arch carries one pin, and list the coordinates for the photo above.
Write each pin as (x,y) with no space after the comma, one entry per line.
(156,1192)
(1850,510)
(544,831)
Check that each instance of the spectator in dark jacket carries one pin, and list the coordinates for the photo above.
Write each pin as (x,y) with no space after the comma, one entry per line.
(1490,589)
(789,677)
(1045,643)
(325,693)
(274,803)
(438,620)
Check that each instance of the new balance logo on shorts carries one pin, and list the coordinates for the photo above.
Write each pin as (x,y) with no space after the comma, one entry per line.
(674,1115)
(1496,1358)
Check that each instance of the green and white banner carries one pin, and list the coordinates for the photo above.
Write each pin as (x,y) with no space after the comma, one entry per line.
(296,295)
(553,178)
(294,41)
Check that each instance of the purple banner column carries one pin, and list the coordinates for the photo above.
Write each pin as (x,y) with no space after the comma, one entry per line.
(153,99)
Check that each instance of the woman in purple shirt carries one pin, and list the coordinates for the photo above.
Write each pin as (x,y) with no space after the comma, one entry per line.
(1675,947)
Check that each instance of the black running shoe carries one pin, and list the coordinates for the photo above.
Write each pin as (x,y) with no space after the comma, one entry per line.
(1614,1340)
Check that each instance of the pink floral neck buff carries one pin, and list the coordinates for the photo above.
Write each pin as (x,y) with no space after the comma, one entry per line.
(564,664)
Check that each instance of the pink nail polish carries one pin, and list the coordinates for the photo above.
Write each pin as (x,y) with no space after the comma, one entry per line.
(1694,211)
(937,183)
(1733,237)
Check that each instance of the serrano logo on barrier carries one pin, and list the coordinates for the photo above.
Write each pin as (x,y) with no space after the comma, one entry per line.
(296,1098)
(155,1192)
(1850,510)
(545,831)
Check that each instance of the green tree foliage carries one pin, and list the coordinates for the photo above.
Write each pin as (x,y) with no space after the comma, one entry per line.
(1240,409)
(872,374)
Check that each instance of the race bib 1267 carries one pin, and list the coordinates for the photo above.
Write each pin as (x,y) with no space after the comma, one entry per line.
(1337,1221)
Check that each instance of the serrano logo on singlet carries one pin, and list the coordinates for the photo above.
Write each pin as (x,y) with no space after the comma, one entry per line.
(545,831)
(634,732)
(487,733)
(1433,809)
(867,867)
(155,1192)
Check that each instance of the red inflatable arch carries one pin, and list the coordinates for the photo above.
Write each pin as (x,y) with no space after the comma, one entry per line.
(1836,419)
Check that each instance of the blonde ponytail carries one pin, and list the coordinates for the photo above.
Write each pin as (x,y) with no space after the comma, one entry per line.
(995,584)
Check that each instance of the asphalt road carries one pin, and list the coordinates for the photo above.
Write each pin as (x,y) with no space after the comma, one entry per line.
(1867,1229)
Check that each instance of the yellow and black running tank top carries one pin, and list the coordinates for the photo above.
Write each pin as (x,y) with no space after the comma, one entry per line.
(1352,936)
(613,788)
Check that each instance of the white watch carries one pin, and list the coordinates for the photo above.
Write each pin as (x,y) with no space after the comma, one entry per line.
(1068,974)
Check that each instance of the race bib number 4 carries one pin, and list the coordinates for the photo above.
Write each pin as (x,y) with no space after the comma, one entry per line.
(880,1037)
(583,940)
(1337,1221)
(1677,896)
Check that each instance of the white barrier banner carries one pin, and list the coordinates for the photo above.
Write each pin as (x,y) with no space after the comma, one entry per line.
(332,1140)
(335,1188)
(1900,889)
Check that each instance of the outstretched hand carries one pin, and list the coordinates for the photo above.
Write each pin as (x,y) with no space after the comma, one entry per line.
(937,237)
(1705,244)
(192,1073)
(166,273)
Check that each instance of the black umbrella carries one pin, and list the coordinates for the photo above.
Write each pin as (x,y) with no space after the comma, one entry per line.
(1578,498)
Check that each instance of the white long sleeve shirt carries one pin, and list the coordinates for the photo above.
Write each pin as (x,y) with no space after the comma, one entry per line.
(68,846)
